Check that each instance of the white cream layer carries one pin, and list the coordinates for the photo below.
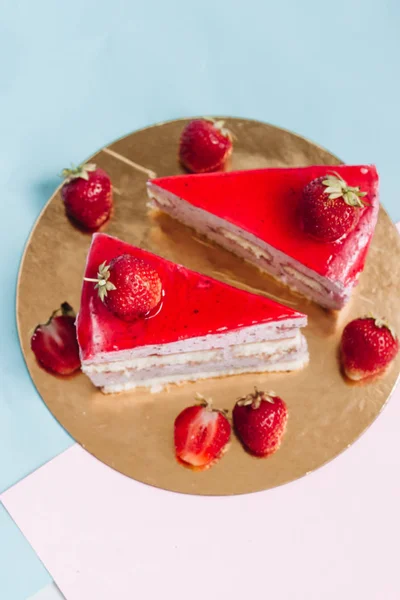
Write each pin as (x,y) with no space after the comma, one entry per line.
(225,363)
(158,384)
(266,349)
(274,330)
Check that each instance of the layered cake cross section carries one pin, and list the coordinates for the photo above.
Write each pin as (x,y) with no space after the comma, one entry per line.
(202,328)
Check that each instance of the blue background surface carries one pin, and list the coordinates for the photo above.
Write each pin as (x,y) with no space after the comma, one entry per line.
(76,75)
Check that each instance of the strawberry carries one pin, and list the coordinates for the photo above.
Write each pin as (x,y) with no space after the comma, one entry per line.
(368,346)
(260,422)
(205,145)
(54,343)
(201,435)
(87,195)
(134,285)
(330,208)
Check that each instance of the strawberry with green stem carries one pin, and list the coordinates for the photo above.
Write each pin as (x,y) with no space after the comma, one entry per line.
(205,145)
(368,346)
(87,195)
(260,422)
(129,287)
(330,207)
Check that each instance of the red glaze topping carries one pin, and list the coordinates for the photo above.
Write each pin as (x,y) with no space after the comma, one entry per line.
(266,203)
(193,305)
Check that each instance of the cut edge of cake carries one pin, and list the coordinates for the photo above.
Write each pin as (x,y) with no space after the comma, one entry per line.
(202,358)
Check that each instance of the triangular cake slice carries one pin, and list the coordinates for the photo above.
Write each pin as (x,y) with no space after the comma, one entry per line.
(203,328)
(255,214)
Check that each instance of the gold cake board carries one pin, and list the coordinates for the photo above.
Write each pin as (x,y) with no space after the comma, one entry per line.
(133,431)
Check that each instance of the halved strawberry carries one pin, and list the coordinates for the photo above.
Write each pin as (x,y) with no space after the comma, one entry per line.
(54,343)
(201,435)
(205,145)
(260,422)
(129,287)
(368,346)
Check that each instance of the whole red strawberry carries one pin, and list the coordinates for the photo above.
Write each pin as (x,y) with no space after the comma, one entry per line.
(368,346)
(201,435)
(128,286)
(54,343)
(260,422)
(330,208)
(205,145)
(87,195)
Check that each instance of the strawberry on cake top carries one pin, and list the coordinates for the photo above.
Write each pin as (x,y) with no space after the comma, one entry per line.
(309,227)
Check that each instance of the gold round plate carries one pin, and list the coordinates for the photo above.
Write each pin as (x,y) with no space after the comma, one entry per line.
(133,432)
